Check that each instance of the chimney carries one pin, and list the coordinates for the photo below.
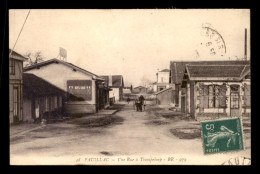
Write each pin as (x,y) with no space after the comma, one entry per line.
(245,44)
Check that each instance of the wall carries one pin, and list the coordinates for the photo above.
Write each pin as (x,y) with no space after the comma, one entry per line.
(58,74)
(164,75)
(18,70)
(215,112)
(16,81)
(114,93)
(166,97)
(27,110)
(78,108)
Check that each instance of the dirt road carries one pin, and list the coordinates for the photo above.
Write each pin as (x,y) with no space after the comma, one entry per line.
(141,136)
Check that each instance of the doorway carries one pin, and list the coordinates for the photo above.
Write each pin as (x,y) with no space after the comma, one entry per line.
(37,107)
(183,104)
(16,105)
(234,101)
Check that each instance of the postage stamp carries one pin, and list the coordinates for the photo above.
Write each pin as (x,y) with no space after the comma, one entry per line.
(222,135)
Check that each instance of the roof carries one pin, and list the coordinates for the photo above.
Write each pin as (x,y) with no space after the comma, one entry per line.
(178,67)
(246,71)
(36,86)
(117,81)
(139,87)
(166,89)
(216,72)
(165,70)
(51,61)
(16,55)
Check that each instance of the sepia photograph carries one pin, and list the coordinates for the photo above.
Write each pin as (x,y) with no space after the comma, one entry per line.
(129,87)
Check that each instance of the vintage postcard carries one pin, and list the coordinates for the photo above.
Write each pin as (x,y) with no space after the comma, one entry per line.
(129,87)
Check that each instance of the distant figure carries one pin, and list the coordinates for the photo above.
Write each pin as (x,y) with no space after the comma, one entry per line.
(137,104)
(141,99)
(128,100)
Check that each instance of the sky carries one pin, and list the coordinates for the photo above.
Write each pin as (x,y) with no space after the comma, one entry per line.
(132,43)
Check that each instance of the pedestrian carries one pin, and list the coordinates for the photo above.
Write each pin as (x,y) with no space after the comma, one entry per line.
(141,99)
(137,104)
(128,100)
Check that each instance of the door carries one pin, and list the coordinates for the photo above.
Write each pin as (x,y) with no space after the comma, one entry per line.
(234,101)
(16,105)
(37,107)
(183,105)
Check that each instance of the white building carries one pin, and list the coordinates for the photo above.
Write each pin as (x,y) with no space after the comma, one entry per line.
(163,78)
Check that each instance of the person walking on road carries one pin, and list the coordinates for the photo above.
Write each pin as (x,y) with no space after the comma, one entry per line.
(141,100)
(128,100)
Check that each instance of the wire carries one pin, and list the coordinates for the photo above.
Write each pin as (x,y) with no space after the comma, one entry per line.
(20,33)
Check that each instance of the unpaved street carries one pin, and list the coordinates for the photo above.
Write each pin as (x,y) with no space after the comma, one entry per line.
(125,134)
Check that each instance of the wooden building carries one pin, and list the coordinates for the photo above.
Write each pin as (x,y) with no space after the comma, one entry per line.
(86,92)
(16,86)
(216,90)
(41,100)
(177,69)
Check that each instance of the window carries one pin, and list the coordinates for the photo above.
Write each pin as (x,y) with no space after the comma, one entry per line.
(234,101)
(15,102)
(55,102)
(247,96)
(46,104)
(60,101)
(161,79)
(12,66)
(213,96)
(234,96)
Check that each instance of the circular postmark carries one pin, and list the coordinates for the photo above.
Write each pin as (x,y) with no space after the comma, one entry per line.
(211,43)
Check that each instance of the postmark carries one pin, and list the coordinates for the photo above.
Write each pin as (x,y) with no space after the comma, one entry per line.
(212,43)
(220,136)
(240,160)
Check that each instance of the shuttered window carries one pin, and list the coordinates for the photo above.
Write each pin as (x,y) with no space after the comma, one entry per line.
(12,66)
(212,96)
(247,96)
(204,96)
(222,96)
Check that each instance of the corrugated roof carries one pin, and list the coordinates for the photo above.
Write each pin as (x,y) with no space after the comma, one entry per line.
(36,86)
(178,72)
(166,89)
(215,70)
(51,61)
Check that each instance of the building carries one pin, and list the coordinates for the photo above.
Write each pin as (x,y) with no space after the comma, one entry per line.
(216,90)
(165,96)
(177,69)
(86,92)
(41,100)
(15,86)
(163,78)
(127,90)
(140,90)
(116,84)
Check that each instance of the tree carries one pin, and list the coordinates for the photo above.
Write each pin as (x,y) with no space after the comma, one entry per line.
(145,81)
(35,58)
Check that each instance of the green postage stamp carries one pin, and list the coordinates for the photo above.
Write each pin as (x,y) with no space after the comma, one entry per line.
(222,135)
